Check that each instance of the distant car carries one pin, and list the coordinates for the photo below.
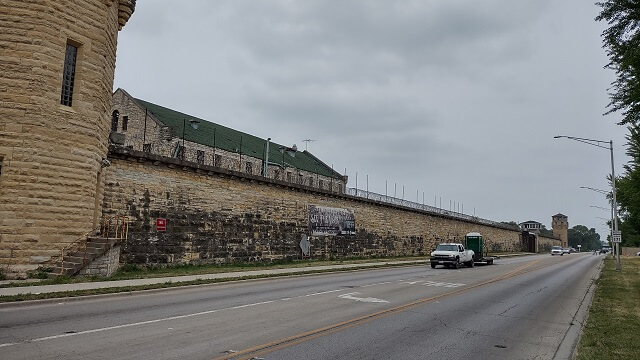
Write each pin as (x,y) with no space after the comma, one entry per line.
(638,253)
(566,251)
(557,250)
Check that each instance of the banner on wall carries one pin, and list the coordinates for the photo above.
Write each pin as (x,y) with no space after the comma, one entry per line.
(331,221)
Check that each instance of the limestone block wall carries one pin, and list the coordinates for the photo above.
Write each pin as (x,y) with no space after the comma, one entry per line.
(105,265)
(545,243)
(51,153)
(215,215)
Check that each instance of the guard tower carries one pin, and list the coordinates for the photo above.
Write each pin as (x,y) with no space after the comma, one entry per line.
(560,226)
(58,63)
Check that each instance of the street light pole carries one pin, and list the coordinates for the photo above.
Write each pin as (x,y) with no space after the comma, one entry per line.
(613,188)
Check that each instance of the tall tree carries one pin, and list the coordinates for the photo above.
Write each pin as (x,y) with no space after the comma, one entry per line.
(622,43)
(588,239)
(628,191)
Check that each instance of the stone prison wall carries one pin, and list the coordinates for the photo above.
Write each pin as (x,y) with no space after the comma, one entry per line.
(219,216)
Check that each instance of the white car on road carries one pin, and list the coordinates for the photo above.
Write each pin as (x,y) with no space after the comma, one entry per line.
(557,250)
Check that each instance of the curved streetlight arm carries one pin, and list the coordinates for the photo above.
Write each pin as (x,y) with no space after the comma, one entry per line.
(614,204)
(588,141)
(603,192)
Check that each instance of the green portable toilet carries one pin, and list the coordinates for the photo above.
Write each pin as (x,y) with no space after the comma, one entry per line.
(474,242)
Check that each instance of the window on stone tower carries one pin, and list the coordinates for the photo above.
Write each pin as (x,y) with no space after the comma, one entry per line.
(125,123)
(68,74)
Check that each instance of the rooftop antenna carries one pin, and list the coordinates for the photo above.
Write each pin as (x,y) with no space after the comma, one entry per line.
(306,142)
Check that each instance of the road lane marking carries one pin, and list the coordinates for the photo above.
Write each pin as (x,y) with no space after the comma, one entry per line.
(136,323)
(433,283)
(443,284)
(178,317)
(275,345)
(382,283)
(321,293)
(352,296)
(343,326)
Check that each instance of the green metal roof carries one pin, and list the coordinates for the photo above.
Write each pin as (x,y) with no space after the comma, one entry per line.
(222,137)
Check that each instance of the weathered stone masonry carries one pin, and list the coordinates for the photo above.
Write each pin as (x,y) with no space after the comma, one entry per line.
(51,153)
(217,215)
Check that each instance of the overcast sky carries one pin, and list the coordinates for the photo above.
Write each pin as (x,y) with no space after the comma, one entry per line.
(458,100)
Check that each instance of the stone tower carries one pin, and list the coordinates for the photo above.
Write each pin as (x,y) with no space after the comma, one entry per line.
(58,63)
(560,226)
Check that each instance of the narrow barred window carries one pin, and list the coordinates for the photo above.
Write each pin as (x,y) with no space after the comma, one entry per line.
(249,167)
(68,75)
(115,116)
(200,157)
(146,148)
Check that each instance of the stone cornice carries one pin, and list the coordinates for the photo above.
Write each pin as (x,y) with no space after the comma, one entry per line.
(125,9)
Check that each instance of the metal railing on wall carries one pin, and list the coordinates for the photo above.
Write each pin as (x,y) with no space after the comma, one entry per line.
(414,205)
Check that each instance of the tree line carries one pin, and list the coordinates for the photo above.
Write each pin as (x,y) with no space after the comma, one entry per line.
(621,41)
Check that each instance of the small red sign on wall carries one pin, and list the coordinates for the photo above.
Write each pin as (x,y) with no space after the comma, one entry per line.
(161,224)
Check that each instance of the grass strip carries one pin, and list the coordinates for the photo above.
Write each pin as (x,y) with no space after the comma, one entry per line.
(171,284)
(613,325)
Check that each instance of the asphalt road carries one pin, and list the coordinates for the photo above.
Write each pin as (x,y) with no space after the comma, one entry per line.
(519,308)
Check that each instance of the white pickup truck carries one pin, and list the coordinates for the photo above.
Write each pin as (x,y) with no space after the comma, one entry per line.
(451,254)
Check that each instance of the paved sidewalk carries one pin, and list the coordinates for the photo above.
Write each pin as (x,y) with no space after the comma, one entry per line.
(39,289)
